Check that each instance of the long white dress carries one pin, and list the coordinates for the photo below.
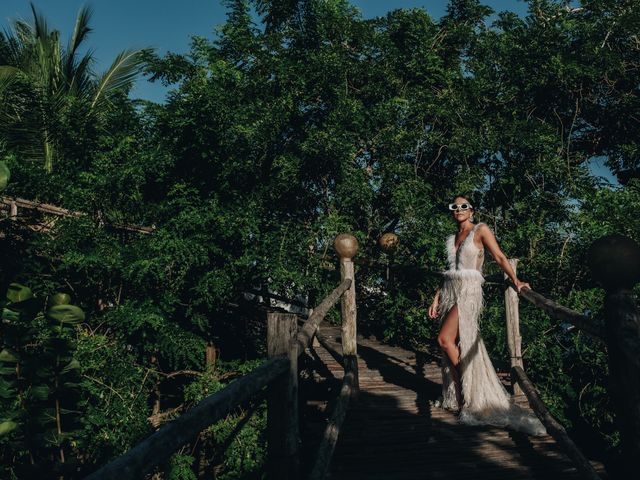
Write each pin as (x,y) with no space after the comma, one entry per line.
(485,400)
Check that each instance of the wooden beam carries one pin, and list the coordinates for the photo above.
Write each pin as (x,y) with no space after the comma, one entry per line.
(623,345)
(512,314)
(312,324)
(282,400)
(346,246)
(562,313)
(332,431)
(14,203)
(555,429)
(349,322)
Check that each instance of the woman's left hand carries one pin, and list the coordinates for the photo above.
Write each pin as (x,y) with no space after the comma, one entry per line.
(520,285)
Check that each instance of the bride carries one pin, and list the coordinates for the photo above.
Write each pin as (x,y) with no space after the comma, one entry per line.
(469,382)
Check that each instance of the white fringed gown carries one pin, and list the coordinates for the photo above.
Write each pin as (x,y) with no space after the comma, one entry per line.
(485,401)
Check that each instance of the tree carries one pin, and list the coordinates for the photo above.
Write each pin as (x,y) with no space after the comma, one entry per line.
(50,80)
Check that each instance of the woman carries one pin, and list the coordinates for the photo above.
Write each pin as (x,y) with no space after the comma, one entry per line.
(469,382)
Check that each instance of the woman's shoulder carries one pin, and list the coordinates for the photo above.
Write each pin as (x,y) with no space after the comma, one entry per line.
(482,228)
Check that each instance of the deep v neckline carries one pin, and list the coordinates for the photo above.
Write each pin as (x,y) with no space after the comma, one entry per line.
(462,242)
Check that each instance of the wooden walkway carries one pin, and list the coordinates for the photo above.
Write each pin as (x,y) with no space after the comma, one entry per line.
(394,432)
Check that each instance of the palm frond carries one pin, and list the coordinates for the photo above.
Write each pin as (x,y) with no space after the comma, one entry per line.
(40,27)
(80,32)
(8,75)
(122,72)
(81,76)
(9,49)
(23,32)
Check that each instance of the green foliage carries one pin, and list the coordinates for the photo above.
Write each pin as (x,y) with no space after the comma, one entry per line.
(181,468)
(246,454)
(39,384)
(5,175)
(115,396)
(237,444)
(50,84)
(273,141)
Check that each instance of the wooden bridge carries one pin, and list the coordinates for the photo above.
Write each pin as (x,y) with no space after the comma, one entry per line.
(393,431)
(375,418)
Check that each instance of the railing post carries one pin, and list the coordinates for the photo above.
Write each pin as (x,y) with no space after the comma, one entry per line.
(514,340)
(615,263)
(347,246)
(282,400)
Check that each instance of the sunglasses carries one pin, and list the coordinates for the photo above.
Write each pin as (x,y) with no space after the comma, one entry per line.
(459,206)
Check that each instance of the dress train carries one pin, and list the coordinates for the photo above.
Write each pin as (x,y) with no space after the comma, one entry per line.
(486,402)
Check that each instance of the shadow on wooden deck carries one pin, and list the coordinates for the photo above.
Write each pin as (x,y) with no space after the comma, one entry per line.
(393,431)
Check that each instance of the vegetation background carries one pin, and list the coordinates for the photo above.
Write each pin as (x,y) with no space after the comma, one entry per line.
(275,137)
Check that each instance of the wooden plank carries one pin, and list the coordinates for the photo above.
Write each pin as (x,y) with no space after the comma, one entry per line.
(392,431)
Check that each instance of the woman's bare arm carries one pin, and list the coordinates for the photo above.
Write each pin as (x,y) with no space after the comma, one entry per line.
(489,242)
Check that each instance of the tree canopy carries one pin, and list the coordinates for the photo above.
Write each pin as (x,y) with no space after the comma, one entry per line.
(276,136)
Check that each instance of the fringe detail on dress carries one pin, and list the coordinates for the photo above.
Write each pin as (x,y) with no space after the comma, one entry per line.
(485,399)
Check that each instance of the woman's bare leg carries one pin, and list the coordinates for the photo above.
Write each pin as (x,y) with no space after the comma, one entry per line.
(448,341)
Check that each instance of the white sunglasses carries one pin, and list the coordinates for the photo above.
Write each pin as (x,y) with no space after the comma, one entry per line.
(459,206)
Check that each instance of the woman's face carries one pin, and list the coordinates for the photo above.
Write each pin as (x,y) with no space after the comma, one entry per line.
(461,215)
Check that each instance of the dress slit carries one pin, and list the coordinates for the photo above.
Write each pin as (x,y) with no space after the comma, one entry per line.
(485,399)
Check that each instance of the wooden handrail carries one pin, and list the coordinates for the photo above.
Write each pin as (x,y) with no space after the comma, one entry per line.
(312,324)
(142,458)
(560,312)
(14,203)
(279,373)
(554,428)
(553,309)
(330,437)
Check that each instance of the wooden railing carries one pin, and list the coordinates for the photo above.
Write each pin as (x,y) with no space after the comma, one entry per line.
(14,204)
(615,263)
(520,381)
(279,374)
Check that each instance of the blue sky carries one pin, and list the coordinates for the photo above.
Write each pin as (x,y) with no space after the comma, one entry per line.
(167,25)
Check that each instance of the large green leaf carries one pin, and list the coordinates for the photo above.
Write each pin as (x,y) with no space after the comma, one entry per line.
(39,393)
(18,293)
(10,316)
(71,366)
(7,427)
(59,299)
(5,175)
(8,356)
(66,314)
(6,389)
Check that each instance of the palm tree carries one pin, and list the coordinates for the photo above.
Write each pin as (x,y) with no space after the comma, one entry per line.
(33,61)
